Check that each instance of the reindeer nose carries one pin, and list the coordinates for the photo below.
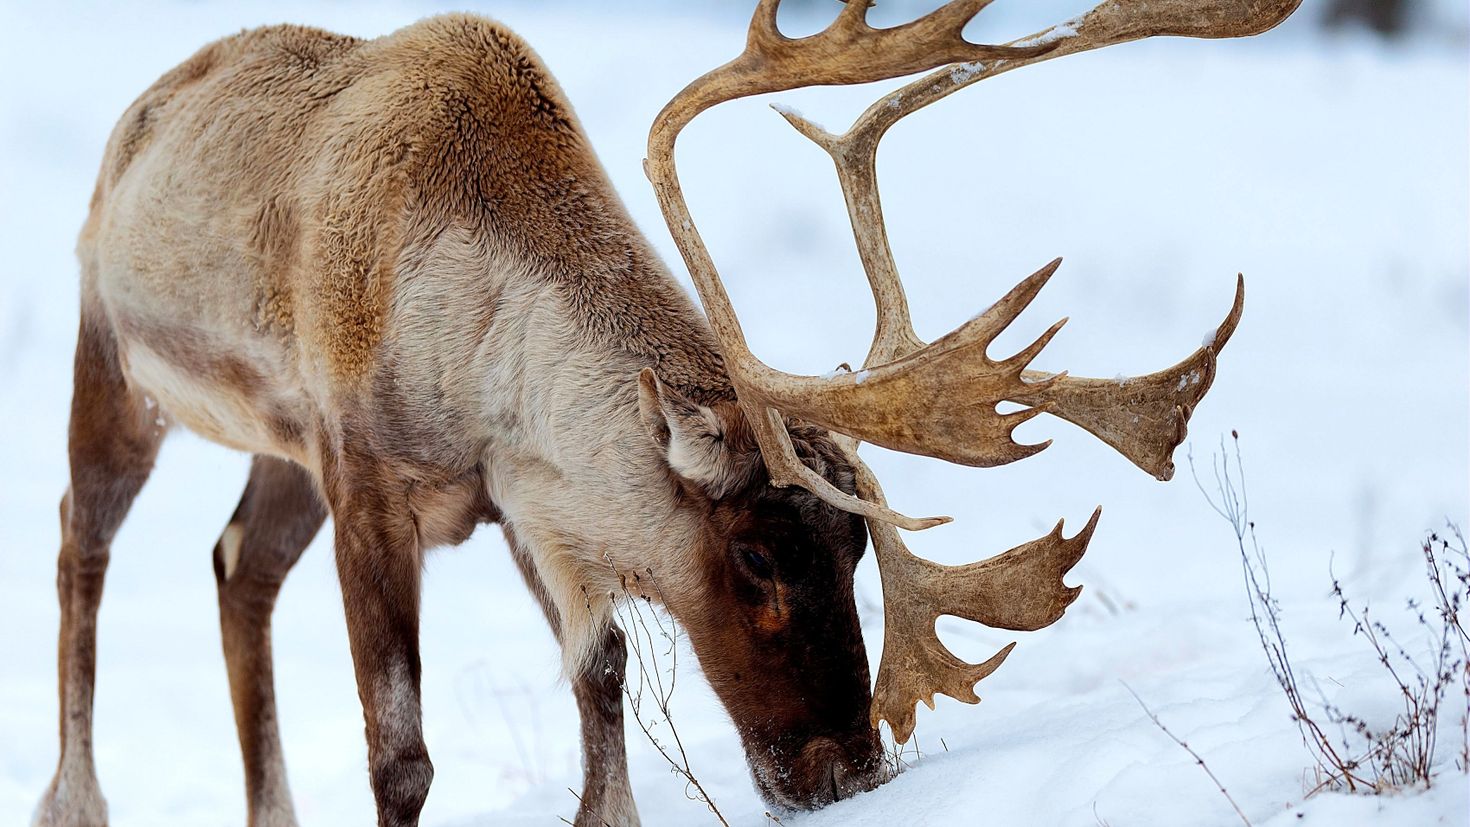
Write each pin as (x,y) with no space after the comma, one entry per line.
(850,778)
(846,770)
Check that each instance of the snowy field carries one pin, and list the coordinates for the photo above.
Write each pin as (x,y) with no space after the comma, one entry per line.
(1331,171)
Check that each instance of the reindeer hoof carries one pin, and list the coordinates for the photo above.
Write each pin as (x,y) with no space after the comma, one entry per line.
(71,802)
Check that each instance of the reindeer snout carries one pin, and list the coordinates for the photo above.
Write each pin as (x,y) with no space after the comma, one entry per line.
(831,769)
(850,778)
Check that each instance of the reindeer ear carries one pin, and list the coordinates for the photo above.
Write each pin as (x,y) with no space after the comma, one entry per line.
(694,438)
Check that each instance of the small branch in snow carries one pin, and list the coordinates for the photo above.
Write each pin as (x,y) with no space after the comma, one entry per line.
(579,801)
(1200,762)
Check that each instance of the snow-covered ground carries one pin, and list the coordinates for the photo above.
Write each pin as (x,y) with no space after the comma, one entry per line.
(1332,172)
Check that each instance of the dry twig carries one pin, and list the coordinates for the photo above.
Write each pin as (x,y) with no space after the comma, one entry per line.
(651,687)
(1200,762)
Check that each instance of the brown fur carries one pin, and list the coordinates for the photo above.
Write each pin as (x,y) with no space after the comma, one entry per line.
(804,726)
(395,271)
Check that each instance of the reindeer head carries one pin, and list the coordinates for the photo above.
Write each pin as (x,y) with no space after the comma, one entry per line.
(772,616)
(776,500)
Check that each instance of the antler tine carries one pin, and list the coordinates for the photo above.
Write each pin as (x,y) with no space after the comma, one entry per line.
(1020,589)
(1145,417)
(785,468)
(848,51)
(763,20)
(854,15)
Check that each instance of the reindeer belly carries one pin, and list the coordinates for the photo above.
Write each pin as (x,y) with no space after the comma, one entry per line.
(216,395)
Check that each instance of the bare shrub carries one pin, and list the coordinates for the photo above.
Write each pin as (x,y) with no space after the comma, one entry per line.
(1362,758)
(1403,754)
(653,648)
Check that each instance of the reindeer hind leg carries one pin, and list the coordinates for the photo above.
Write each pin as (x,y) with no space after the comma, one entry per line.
(113,439)
(279,514)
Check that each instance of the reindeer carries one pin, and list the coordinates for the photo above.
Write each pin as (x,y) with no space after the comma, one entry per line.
(394,271)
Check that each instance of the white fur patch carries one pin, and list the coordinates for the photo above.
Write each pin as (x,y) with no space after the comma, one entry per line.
(214,411)
(229,546)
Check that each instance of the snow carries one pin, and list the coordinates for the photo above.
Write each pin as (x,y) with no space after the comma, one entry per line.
(1332,171)
(788,111)
(1052,35)
(960,73)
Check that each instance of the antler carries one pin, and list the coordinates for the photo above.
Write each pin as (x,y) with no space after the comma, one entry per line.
(937,399)
(954,383)
(848,51)
(1143,418)
(1020,589)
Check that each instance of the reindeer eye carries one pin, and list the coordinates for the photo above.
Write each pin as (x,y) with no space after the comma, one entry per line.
(757,562)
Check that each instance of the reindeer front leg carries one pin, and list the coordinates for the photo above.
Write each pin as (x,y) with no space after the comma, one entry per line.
(379,562)
(607,796)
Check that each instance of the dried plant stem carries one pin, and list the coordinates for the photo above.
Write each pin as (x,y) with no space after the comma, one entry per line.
(650,677)
(1233,505)
(1364,759)
(580,801)
(1200,762)
(1451,592)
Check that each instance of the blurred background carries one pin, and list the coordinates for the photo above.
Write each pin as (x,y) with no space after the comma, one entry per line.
(1327,160)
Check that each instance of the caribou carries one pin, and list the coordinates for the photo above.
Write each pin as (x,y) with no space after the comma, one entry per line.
(394,271)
